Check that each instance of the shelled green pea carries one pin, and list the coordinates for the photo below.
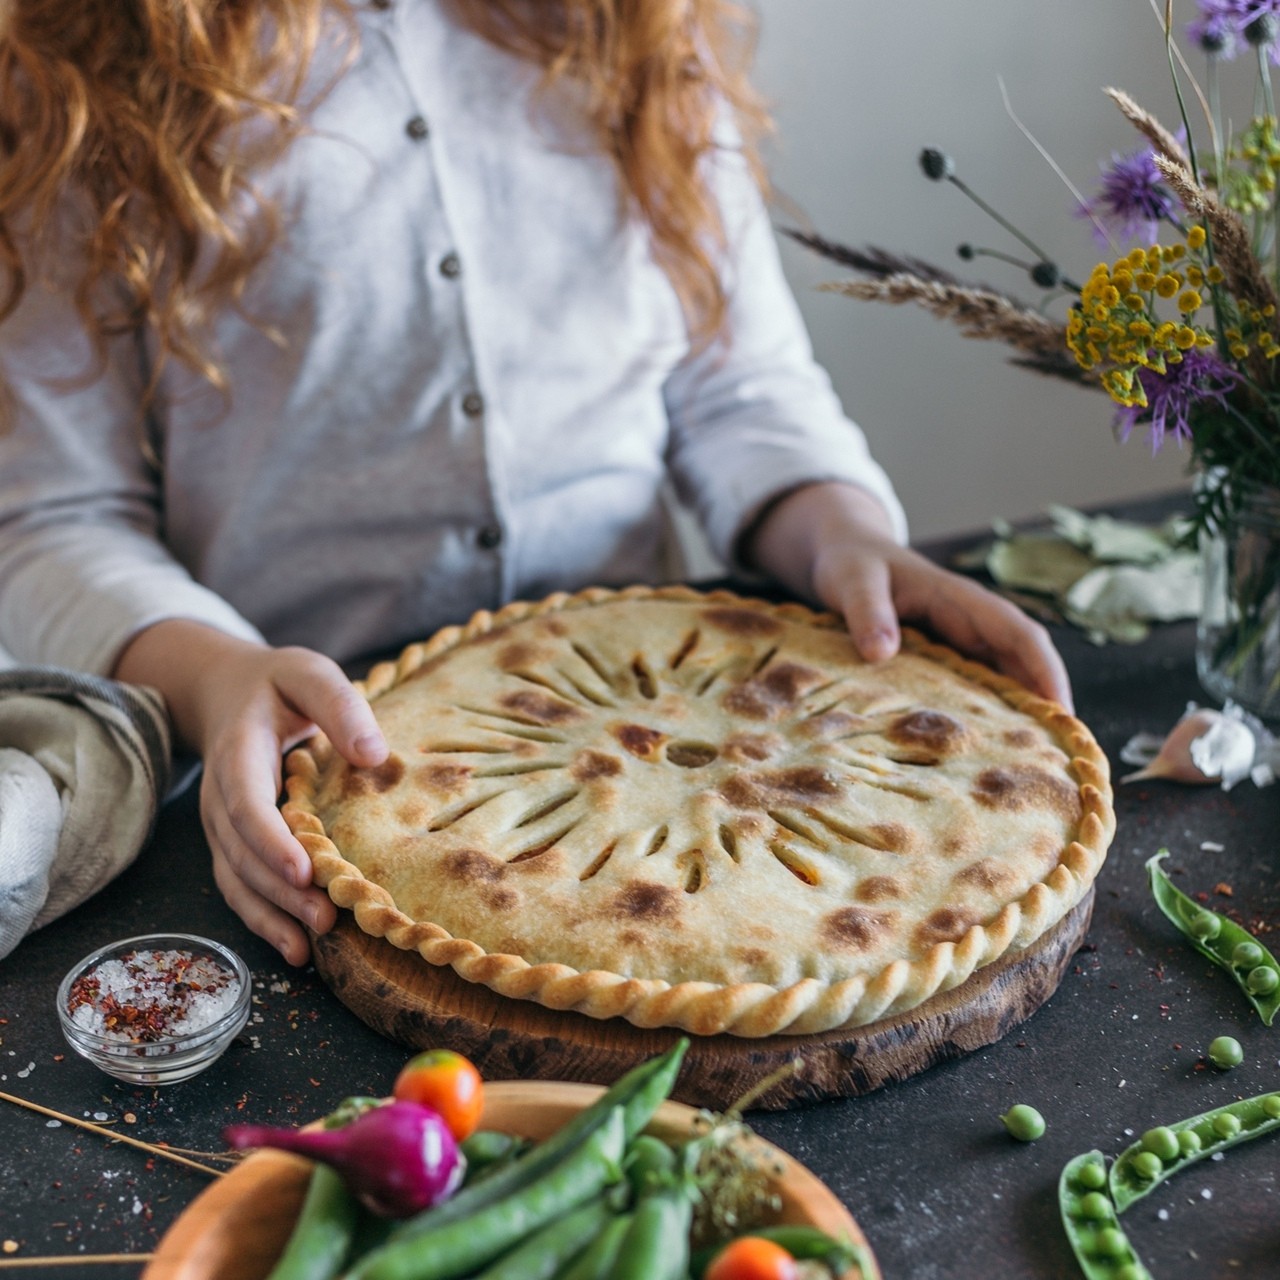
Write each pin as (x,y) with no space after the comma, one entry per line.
(1024,1122)
(1225,1052)
(1255,970)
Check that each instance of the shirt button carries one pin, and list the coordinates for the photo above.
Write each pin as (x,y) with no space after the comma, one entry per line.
(451,266)
(473,404)
(489,537)
(417,128)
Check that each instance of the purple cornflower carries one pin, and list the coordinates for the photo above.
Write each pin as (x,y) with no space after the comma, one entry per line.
(1224,25)
(1200,377)
(1133,199)
(1217,29)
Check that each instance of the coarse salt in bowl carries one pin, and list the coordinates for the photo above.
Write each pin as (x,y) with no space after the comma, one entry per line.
(155,1009)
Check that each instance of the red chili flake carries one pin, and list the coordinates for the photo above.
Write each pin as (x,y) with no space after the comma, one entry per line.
(1201,896)
(1223,888)
(59,1057)
(1177,1046)
(315,1084)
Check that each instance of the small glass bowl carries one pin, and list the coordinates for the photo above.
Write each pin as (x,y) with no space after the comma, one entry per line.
(165,1059)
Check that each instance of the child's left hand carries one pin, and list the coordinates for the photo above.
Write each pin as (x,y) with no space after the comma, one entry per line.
(834,543)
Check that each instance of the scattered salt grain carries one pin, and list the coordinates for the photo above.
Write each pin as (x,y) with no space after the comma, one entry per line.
(1206,1193)
(1162,1214)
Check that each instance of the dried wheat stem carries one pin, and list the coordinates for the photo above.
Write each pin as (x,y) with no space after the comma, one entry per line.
(977,312)
(1155,133)
(1232,249)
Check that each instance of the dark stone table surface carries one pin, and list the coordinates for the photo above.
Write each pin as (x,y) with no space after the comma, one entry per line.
(939,1189)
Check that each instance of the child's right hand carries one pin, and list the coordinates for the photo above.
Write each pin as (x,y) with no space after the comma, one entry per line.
(241,706)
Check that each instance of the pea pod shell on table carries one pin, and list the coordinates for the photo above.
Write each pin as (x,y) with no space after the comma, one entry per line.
(1180,909)
(1255,1116)
(1082,1231)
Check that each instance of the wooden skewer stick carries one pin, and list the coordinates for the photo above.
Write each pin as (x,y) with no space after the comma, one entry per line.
(74,1259)
(111,1134)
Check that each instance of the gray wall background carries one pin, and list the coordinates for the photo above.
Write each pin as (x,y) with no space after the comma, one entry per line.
(858,88)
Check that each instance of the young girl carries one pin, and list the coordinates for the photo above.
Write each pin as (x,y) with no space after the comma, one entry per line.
(326,324)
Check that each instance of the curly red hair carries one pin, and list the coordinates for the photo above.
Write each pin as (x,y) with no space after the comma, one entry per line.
(131,113)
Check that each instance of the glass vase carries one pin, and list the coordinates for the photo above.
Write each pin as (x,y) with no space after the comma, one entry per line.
(1238,637)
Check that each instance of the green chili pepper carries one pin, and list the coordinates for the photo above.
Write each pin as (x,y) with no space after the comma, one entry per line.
(1089,1220)
(1254,969)
(542,1255)
(802,1242)
(637,1094)
(1135,1171)
(462,1245)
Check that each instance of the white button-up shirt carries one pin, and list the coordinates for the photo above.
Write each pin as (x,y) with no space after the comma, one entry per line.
(460,379)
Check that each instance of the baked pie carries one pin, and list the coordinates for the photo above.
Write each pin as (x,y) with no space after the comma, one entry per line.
(703,811)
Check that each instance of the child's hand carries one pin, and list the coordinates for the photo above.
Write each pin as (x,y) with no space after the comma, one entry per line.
(241,706)
(833,542)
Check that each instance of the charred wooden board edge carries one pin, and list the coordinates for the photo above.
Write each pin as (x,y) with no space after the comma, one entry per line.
(423,1006)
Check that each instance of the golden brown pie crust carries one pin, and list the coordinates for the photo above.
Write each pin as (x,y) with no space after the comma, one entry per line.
(703,811)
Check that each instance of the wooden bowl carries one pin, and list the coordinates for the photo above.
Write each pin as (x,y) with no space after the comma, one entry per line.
(236,1228)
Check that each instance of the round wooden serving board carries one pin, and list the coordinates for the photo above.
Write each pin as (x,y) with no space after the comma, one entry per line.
(425,1006)
(237,1228)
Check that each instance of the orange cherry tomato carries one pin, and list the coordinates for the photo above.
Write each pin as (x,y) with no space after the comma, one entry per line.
(447,1083)
(752,1258)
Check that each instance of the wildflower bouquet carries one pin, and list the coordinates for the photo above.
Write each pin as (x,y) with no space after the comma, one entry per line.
(1179,327)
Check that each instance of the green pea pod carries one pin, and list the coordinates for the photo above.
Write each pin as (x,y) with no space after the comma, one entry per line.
(637,1094)
(597,1261)
(541,1255)
(1207,1134)
(321,1237)
(1258,976)
(487,1151)
(461,1246)
(656,1246)
(1089,1220)
(487,1145)
(350,1109)
(648,1160)
(804,1243)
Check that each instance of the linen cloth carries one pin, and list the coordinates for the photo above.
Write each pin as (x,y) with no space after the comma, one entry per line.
(462,378)
(84,764)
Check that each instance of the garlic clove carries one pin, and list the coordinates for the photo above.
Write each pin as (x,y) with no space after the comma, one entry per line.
(1205,746)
